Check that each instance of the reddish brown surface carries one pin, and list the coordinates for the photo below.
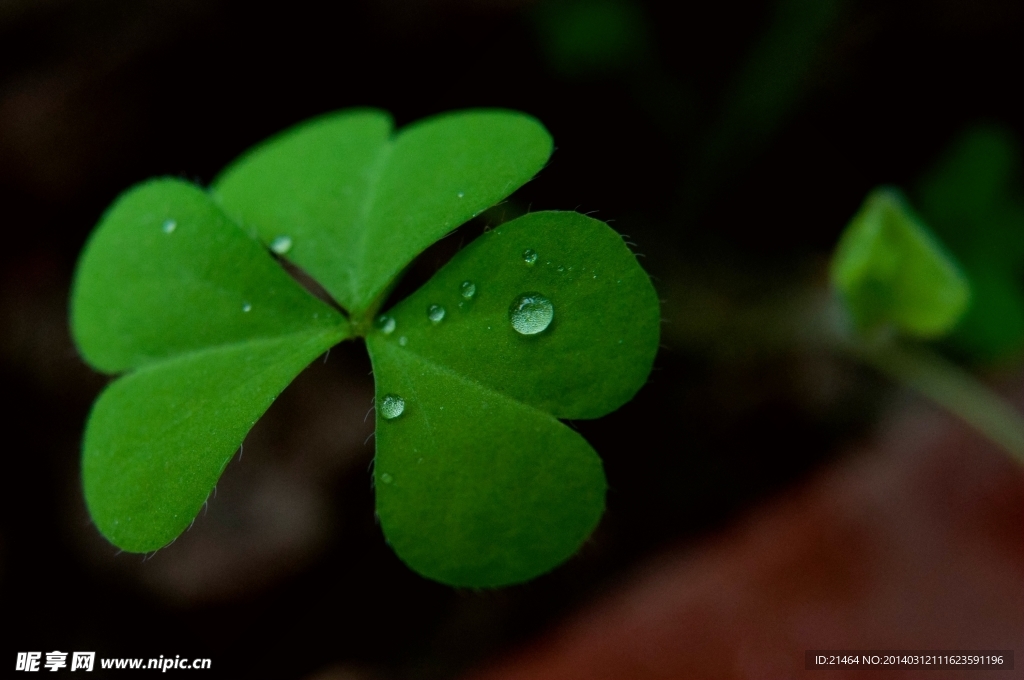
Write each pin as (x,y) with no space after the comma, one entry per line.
(916,542)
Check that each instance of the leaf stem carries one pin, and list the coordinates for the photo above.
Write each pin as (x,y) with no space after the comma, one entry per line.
(951,387)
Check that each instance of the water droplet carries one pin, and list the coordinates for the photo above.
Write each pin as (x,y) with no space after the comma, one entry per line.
(281,245)
(467,289)
(386,478)
(561,268)
(246,307)
(461,194)
(530,256)
(391,406)
(386,324)
(403,341)
(531,313)
(435,313)
(170,226)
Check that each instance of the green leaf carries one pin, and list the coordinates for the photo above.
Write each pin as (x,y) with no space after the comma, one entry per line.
(158,439)
(477,482)
(890,270)
(973,200)
(166,272)
(358,203)
(170,286)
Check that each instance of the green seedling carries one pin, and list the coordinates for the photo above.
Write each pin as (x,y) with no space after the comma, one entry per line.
(899,286)
(546,317)
(892,272)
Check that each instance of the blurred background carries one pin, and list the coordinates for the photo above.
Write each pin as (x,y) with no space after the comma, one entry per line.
(768,494)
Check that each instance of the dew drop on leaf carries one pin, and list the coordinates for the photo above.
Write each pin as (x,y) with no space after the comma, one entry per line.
(435,313)
(386,324)
(170,226)
(531,313)
(386,478)
(467,289)
(530,256)
(281,245)
(246,307)
(403,341)
(461,194)
(392,406)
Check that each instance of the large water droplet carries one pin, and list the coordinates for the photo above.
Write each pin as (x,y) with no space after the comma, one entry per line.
(391,406)
(386,324)
(435,313)
(170,226)
(281,245)
(531,313)
(467,289)
(530,256)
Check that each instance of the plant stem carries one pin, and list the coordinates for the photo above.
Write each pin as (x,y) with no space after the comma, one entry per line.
(950,387)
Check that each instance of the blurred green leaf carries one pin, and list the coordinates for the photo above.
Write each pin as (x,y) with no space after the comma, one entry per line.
(973,199)
(592,37)
(477,482)
(767,88)
(890,271)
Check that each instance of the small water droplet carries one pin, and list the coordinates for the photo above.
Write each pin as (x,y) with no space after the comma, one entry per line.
(246,307)
(561,268)
(386,478)
(530,256)
(461,194)
(531,313)
(170,226)
(386,324)
(467,289)
(391,406)
(435,313)
(403,341)
(281,245)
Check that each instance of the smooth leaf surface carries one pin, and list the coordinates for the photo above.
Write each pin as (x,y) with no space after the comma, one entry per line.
(216,328)
(600,346)
(475,489)
(359,202)
(478,455)
(166,272)
(890,270)
(158,439)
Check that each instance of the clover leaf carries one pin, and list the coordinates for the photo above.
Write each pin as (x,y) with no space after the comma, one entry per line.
(546,317)
(891,271)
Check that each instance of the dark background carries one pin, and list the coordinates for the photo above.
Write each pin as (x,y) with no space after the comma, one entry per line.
(731,140)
